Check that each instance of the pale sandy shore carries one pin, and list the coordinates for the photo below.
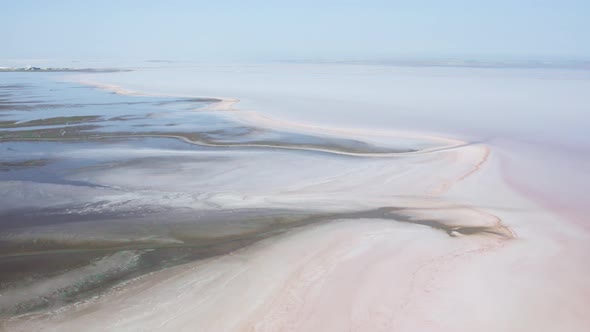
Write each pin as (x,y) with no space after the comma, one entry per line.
(526,272)
(370,275)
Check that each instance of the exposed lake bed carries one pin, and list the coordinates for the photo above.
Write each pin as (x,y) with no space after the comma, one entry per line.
(114,205)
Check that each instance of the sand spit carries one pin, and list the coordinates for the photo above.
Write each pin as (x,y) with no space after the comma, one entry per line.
(194,139)
(220,103)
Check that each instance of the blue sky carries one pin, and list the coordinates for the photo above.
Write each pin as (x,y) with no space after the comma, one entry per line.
(303,29)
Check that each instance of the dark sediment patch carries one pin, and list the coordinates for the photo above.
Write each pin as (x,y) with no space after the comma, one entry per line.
(76,132)
(192,226)
(62,120)
(192,235)
(12,165)
(88,132)
(18,269)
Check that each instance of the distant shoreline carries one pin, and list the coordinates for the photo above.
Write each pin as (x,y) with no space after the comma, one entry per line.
(60,70)
(456,63)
